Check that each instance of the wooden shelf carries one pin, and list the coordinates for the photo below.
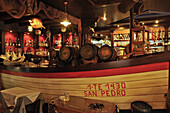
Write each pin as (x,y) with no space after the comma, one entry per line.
(120,46)
(120,40)
(156,45)
(43,46)
(10,46)
(138,29)
(139,42)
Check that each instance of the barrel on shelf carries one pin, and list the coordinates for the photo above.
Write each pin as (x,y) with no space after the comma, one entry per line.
(69,55)
(89,51)
(53,58)
(127,49)
(107,53)
(53,54)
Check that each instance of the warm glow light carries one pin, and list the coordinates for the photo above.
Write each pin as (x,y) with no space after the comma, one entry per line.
(156,21)
(121,28)
(155,25)
(63,29)
(143,23)
(30,21)
(10,31)
(118,25)
(30,28)
(104,17)
(65,23)
(59,34)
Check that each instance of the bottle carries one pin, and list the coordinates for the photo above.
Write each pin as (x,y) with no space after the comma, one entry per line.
(39,43)
(45,43)
(25,43)
(13,44)
(9,42)
(42,44)
(67,42)
(6,42)
(26,63)
(19,44)
(55,45)
(31,43)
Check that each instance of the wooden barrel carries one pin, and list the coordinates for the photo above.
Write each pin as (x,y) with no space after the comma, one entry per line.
(53,54)
(66,54)
(107,53)
(88,51)
(127,49)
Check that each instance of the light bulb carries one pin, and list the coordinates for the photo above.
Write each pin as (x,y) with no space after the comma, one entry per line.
(65,23)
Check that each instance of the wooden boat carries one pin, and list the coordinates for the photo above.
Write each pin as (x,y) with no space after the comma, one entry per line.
(143,78)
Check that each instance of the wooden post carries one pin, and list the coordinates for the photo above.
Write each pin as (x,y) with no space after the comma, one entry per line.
(131,26)
(51,41)
(148,47)
(166,39)
(2,42)
(80,35)
(112,38)
(37,42)
(21,37)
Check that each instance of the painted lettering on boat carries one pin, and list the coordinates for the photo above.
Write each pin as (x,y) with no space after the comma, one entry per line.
(108,89)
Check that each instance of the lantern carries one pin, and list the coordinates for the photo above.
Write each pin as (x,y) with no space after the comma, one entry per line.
(63,29)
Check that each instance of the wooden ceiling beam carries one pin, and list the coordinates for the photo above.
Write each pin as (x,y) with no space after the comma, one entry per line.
(24,24)
(104,2)
(46,21)
(92,2)
(165,23)
(111,28)
(23,19)
(52,24)
(4,16)
(142,19)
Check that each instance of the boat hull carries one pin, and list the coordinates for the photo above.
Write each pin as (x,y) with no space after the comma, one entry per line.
(121,86)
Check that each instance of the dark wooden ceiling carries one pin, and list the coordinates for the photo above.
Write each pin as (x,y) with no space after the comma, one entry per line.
(89,11)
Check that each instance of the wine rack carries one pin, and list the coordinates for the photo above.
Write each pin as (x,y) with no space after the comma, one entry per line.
(57,41)
(121,40)
(43,46)
(29,44)
(12,42)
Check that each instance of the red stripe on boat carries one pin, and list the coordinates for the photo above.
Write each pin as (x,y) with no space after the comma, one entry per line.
(96,73)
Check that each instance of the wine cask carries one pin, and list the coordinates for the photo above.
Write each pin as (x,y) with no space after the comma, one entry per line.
(107,53)
(69,55)
(127,49)
(53,53)
(88,51)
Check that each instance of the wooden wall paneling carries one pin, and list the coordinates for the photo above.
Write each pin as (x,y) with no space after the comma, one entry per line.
(2,42)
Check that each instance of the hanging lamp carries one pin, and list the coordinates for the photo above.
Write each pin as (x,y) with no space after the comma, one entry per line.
(65,22)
